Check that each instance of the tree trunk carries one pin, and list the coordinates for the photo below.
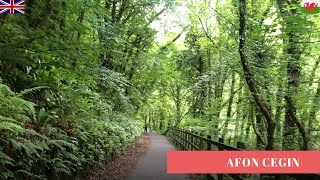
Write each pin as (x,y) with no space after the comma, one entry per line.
(295,120)
(279,108)
(258,130)
(209,99)
(293,74)
(314,110)
(239,112)
(229,110)
(250,78)
(80,20)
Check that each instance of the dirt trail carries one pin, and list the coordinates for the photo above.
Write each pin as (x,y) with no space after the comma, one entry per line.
(123,165)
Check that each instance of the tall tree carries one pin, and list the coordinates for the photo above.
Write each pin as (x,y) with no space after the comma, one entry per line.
(250,78)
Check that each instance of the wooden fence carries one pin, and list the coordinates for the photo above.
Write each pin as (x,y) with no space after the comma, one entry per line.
(187,140)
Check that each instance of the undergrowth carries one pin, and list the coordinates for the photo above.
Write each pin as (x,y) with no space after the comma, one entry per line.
(40,144)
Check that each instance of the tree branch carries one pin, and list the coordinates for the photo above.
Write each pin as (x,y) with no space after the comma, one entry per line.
(163,48)
(157,15)
(208,36)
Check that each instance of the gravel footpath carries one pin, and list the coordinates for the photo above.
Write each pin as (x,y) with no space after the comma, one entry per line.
(153,165)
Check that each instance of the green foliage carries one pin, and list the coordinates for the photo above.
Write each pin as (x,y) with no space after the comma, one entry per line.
(202,86)
(57,150)
(78,79)
(70,86)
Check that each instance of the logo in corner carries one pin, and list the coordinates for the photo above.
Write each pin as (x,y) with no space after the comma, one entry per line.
(310,6)
(11,6)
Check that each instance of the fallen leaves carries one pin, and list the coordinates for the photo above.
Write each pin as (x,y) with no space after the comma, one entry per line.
(121,166)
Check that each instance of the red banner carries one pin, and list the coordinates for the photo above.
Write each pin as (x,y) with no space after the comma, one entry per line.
(243,162)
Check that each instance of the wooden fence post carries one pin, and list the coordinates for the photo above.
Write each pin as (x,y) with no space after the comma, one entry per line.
(241,145)
(176,137)
(209,176)
(185,140)
(192,140)
(182,141)
(201,144)
(189,139)
(208,143)
(221,140)
(179,139)
(196,139)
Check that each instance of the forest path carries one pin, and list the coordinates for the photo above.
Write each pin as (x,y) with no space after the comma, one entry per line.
(153,165)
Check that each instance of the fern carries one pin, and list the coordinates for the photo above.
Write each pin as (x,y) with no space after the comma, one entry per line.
(13,105)
(5,159)
(22,118)
(26,173)
(60,166)
(38,143)
(34,133)
(29,149)
(60,143)
(6,174)
(7,119)
(27,91)
(5,91)
(16,145)
(12,127)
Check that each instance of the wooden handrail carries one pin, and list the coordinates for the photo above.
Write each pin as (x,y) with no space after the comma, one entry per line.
(185,143)
(212,142)
(180,136)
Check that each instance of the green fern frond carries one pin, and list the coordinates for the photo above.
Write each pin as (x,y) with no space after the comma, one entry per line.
(2,118)
(7,174)
(60,166)
(16,145)
(21,117)
(43,145)
(5,90)
(5,159)
(30,149)
(22,106)
(60,143)
(27,91)
(9,126)
(29,174)
(30,109)
(33,132)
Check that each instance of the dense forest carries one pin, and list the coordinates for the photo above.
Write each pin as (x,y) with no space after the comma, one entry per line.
(80,78)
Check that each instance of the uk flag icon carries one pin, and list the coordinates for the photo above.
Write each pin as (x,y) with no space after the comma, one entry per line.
(11,6)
